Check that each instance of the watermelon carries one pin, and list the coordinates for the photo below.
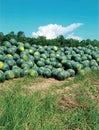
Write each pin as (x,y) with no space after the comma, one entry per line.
(5,67)
(61,75)
(1,64)
(71,72)
(18,59)
(47,73)
(13,41)
(2,76)
(9,74)
(33,73)
(20,48)
(16,72)
(40,63)
(6,44)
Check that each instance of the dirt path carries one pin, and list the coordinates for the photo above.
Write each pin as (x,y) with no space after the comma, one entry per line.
(45,84)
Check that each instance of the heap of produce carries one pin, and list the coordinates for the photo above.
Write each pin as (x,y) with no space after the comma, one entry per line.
(19,59)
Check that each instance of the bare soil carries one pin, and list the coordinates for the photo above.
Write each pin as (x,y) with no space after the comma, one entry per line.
(45,84)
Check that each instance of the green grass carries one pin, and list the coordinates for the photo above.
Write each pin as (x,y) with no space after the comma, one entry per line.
(21,109)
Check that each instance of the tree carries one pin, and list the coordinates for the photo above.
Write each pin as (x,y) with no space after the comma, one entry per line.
(41,40)
(1,36)
(11,35)
(61,39)
(95,42)
(20,34)
(88,41)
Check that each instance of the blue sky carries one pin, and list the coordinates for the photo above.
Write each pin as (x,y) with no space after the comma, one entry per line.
(29,15)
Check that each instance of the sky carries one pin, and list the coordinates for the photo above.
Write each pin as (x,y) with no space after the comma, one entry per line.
(78,19)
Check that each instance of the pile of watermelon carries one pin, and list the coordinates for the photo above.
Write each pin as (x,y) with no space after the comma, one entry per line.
(19,59)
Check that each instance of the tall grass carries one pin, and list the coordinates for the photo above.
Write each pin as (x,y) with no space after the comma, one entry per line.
(22,110)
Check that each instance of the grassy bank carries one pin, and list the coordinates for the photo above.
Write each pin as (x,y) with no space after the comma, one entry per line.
(72,105)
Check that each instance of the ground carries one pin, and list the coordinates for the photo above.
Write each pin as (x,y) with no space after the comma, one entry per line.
(49,104)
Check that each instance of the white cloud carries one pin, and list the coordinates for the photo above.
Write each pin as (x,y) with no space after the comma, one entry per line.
(69,36)
(51,31)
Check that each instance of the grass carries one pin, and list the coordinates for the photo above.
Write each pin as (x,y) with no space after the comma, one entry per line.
(76,108)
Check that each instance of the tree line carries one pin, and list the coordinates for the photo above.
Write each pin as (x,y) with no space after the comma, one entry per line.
(41,40)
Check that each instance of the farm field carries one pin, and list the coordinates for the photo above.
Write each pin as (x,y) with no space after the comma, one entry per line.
(49,104)
(49,65)
(48,87)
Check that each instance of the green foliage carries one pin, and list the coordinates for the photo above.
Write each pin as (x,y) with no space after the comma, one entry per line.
(41,40)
